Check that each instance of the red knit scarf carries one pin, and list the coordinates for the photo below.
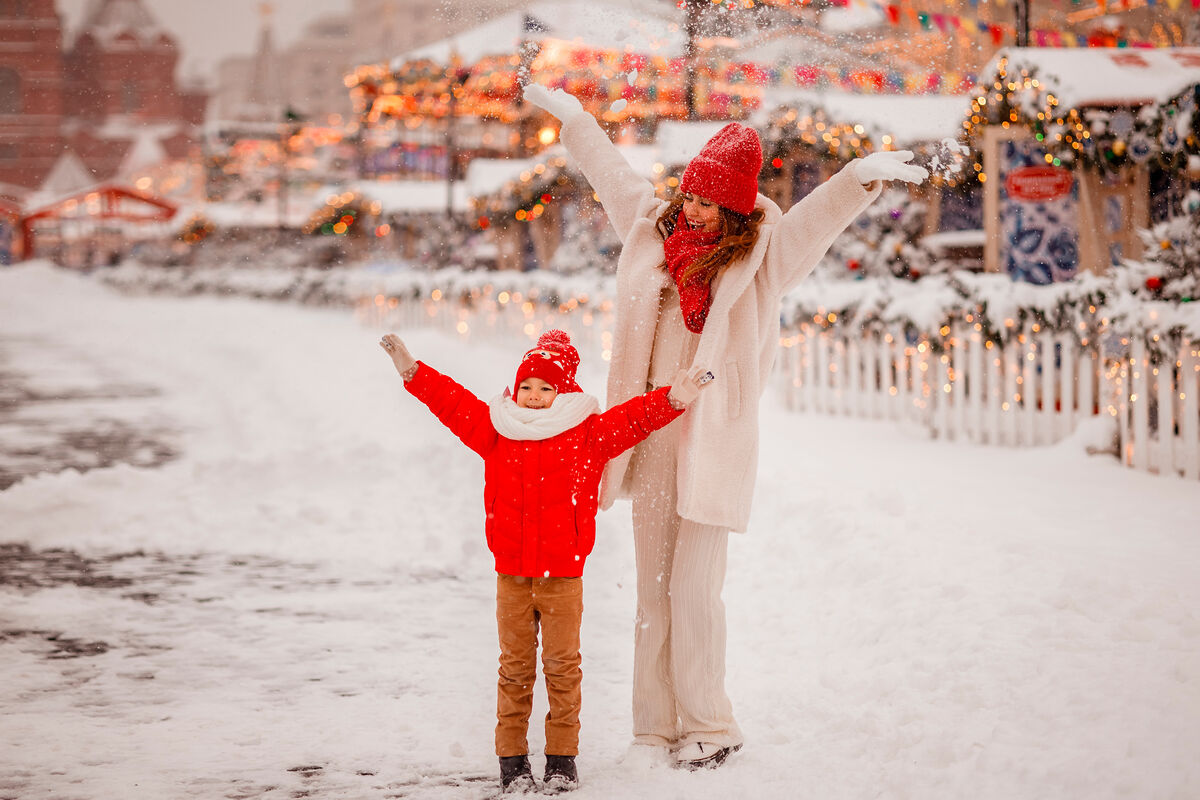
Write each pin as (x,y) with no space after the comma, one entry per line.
(682,248)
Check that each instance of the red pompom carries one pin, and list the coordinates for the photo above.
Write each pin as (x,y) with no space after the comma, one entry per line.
(554,339)
(853,264)
(1154,283)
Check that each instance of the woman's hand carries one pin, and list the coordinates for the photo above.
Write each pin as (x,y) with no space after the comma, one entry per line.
(687,385)
(558,102)
(889,165)
(394,347)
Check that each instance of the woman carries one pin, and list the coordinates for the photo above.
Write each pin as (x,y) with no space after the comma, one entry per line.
(699,285)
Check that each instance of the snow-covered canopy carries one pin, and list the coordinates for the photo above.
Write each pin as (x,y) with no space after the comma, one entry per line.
(677,142)
(601,25)
(908,119)
(411,197)
(804,46)
(851,17)
(253,215)
(68,176)
(146,152)
(488,176)
(1105,76)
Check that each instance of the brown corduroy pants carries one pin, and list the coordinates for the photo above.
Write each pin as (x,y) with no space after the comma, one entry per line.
(522,606)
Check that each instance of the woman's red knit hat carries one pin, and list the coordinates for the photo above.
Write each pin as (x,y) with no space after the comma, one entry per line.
(726,169)
(553,360)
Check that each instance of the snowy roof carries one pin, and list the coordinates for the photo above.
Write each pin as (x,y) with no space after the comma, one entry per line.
(124,126)
(805,47)
(1102,76)
(399,197)
(147,151)
(108,19)
(852,17)
(486,176)
(677,142)
(251,215)
(909,119)
(601,25)
(68,176)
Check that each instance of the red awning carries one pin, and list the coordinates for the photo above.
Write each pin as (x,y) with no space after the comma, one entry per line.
(108,201)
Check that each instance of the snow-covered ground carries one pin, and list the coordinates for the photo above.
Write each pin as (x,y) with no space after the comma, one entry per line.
(302,601)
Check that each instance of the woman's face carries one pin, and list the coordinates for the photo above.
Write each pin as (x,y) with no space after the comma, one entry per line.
(701,214)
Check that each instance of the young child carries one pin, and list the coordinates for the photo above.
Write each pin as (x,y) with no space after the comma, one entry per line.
(544,448)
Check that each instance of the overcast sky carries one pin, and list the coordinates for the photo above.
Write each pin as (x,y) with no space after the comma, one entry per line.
(210,30)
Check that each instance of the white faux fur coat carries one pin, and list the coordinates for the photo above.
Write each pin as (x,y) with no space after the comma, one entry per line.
(718,450)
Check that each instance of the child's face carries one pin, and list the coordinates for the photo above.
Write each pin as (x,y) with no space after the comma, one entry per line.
(701,214)
(535,393)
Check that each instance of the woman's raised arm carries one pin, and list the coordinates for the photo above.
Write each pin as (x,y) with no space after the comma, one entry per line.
(625,195)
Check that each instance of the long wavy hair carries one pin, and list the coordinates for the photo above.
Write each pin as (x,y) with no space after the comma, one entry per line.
(739,232)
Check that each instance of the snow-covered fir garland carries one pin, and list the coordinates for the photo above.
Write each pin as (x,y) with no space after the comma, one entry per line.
(872,279)
(1106,139)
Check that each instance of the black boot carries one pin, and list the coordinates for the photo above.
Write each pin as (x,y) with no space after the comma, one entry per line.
(560,774)
(516,776)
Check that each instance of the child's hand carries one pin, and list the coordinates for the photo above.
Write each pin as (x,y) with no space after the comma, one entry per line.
(394,347)
(687,385)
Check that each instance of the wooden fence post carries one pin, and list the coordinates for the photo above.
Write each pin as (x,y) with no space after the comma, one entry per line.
(1189,390)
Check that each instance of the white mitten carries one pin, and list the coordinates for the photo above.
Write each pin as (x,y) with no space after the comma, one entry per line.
(558,102)
(889,165)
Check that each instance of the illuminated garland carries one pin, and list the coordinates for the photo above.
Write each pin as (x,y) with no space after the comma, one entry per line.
(613,85)
(810,127)
(341,215)
(526,197)
(196,229)
(900,13)
(1106,140)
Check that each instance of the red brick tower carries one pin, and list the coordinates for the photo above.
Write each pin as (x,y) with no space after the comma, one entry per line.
(122,64)
(31,91)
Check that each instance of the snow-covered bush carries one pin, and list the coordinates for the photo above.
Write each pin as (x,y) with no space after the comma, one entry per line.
(885,241)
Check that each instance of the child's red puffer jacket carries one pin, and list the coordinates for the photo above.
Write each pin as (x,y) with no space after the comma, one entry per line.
(540,495)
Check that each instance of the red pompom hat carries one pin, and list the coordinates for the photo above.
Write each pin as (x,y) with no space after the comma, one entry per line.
(553,360)
(726,169)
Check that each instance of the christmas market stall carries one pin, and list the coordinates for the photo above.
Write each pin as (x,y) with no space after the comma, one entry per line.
(421,223)
(808,136)
(542,213)
(1079,149)
(96,226)
(457,100)
(10,236)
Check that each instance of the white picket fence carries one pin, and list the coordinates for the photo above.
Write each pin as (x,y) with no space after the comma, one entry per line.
(1033,391)
(1158,409)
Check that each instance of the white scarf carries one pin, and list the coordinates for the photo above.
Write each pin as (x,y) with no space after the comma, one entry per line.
(534,424)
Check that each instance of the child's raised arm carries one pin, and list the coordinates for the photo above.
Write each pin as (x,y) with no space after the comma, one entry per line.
(458,409)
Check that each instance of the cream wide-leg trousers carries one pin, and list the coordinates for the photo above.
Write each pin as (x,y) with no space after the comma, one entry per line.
(679,643)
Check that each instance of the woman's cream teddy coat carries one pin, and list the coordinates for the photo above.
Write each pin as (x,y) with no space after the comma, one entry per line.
(718,450)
